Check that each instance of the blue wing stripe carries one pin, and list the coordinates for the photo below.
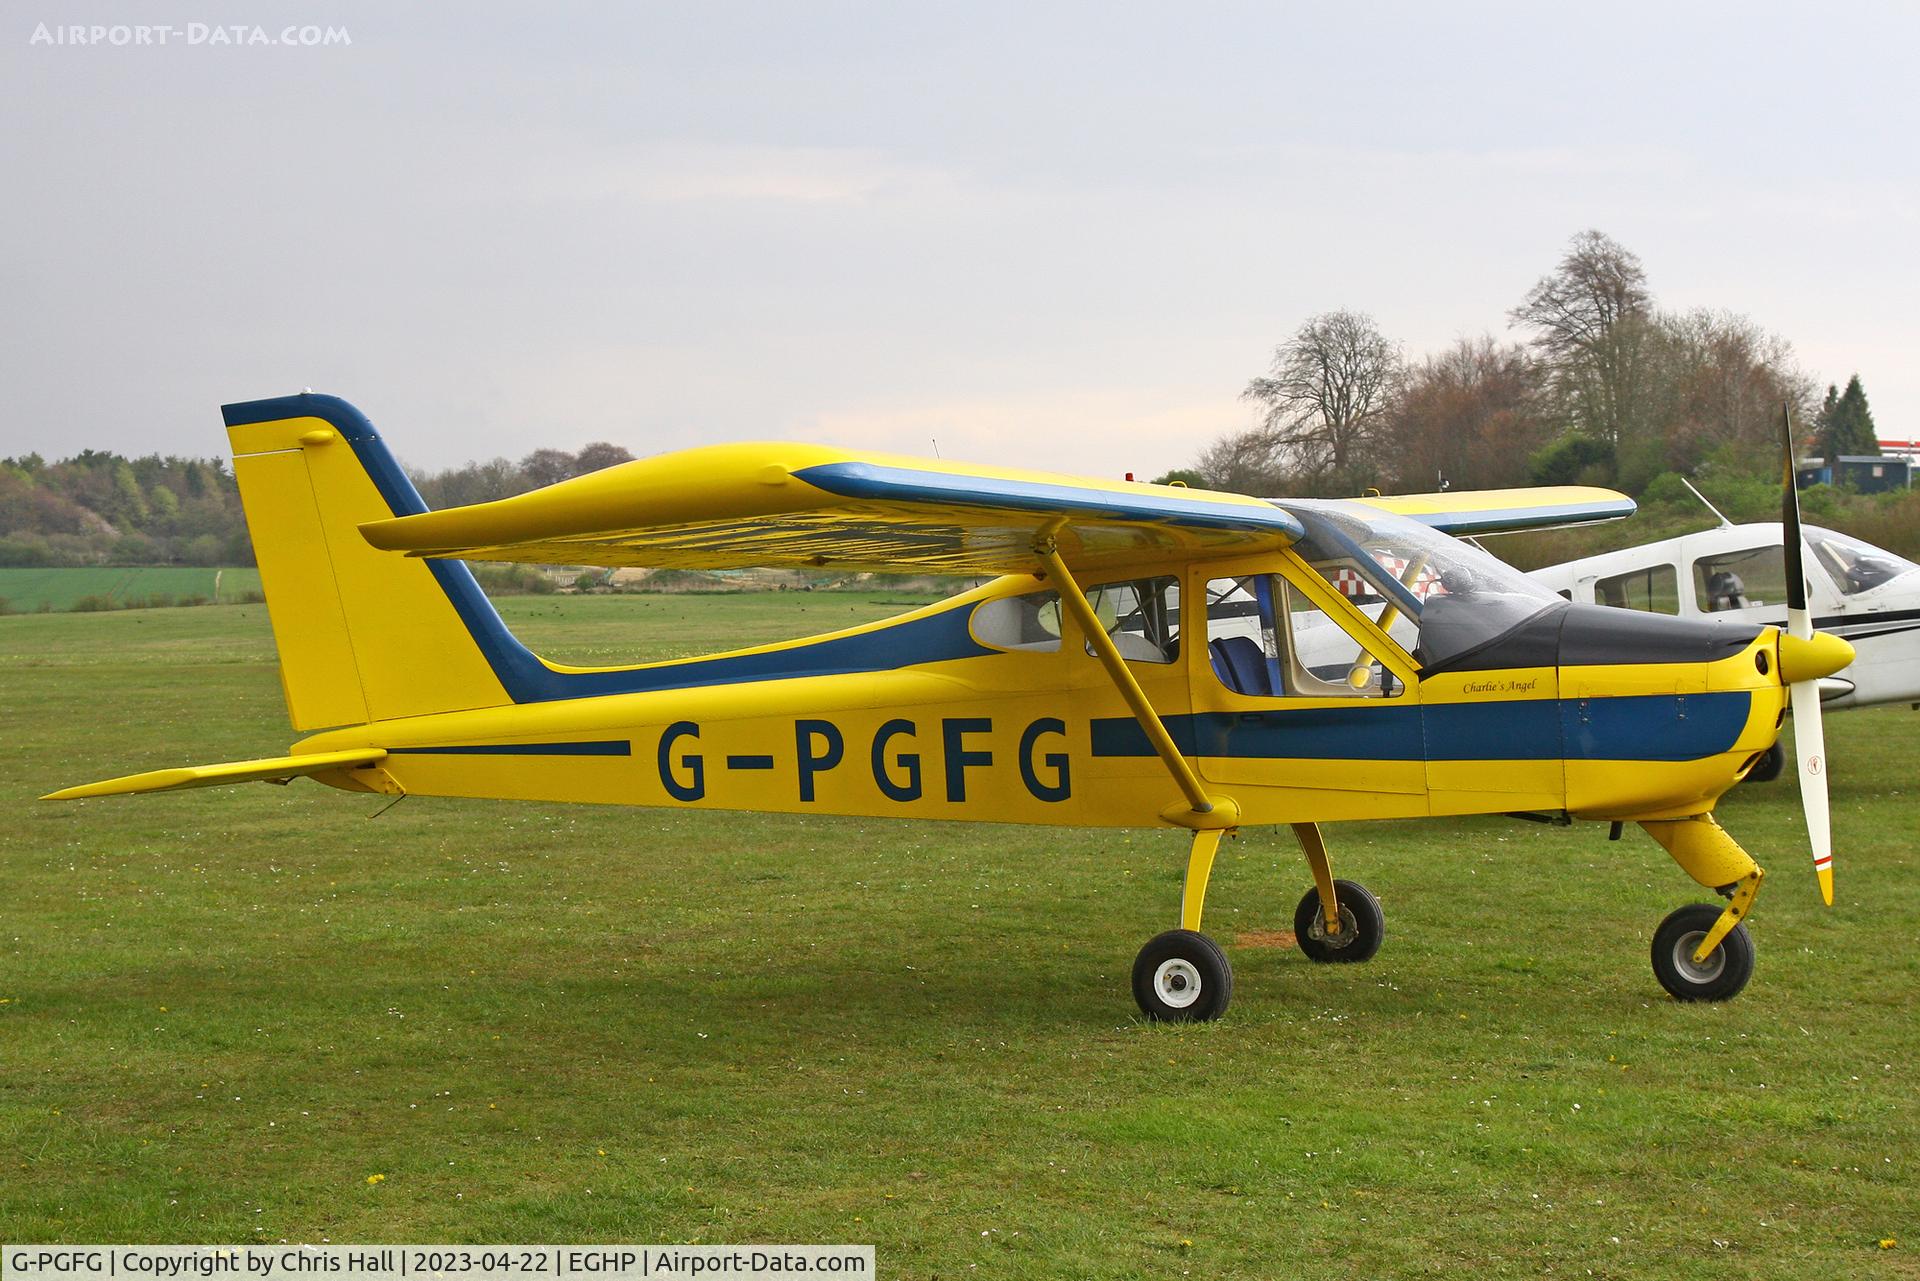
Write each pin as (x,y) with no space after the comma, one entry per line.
(901,484)
(1458,523)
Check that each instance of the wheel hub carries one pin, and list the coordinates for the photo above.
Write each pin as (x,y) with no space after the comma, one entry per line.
(1177,983)
(1349,929)
(1697,971)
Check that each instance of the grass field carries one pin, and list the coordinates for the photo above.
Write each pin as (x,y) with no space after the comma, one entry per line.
(226,1012)
(28,590)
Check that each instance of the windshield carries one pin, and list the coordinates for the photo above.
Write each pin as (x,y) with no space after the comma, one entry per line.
(1438,596)
(1856,566)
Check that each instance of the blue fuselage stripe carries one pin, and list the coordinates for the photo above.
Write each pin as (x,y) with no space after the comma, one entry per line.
(619,747)
(1650,727)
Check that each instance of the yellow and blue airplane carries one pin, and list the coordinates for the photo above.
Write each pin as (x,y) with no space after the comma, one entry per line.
(1141,655)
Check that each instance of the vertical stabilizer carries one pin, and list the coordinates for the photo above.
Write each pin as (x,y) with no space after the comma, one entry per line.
(364,635)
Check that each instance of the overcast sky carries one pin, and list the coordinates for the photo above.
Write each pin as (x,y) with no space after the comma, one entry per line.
(1054,235)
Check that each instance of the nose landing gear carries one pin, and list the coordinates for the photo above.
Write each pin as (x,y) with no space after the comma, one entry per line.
(1720,975)
(1701,952)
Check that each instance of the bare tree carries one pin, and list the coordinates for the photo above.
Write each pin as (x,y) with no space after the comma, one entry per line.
(547,467)
(599,454)
(1470,416)
(1719,379)
(1592,324)
(1243,462)
(473,483)
(1325,396)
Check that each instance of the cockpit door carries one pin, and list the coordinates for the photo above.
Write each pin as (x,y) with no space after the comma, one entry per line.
(1293,687)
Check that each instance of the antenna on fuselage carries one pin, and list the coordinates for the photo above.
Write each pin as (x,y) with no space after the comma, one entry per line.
(1724,522)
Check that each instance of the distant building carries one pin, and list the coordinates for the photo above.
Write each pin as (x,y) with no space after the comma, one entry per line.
(1864,473)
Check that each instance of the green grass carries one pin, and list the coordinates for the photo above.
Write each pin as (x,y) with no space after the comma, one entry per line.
(226,1010)
(28,590)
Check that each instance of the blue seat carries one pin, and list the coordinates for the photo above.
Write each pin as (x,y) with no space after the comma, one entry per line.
(1241,665)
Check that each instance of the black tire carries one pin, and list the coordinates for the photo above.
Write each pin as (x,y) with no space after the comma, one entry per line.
(1362,925)
(1727,968)
(1769,766)
(1182,977)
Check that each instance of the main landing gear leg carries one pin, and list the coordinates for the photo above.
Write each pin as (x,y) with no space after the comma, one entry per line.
(1700,952)
(1336,920)
(1182,976)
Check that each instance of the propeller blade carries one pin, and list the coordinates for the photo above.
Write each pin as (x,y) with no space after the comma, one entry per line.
(1799,621)
(1808,734)
(1810,747)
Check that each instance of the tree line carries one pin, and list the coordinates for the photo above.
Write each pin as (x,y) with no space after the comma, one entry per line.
(102,508)
(1604,388)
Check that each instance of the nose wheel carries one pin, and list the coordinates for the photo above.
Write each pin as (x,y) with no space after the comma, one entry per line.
(1718,976)
(1182,976)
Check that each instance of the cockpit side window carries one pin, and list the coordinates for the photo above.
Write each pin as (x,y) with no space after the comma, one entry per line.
(1143,617)
(1744,579)
(1030,622)
(1266,639)
(1654,590)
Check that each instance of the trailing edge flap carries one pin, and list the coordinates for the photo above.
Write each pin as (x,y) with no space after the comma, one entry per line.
(278,769)
(809,506)
(1508,511)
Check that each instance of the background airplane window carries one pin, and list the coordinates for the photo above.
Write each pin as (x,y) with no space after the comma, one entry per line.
(1655,590)
(1856,566)
(1267,640)
(1741,580)
(1030,622)
(1142,616)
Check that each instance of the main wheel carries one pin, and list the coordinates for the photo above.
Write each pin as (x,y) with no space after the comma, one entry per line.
(1182,977)
(1726,969)
(1362,924)
(1769,766)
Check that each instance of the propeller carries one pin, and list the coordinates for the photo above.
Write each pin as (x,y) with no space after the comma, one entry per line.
(1804,659)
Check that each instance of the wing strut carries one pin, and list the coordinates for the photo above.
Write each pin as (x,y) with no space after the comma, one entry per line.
(1202,812)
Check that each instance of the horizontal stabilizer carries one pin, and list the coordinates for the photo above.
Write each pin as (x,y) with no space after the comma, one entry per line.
(784,505)
(1468,513)
(277,769)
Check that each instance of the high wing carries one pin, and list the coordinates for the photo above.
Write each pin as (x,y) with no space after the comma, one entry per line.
(1507,511)
(780,505)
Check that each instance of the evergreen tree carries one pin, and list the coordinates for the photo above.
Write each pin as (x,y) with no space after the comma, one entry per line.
(1823,421)
(1846,424)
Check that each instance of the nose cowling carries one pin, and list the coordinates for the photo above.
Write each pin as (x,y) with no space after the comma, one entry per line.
(1821,654)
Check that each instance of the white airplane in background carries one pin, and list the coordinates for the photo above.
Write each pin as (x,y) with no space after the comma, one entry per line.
(1855,590)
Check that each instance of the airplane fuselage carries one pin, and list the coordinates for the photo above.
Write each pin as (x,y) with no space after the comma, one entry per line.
(918,717)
